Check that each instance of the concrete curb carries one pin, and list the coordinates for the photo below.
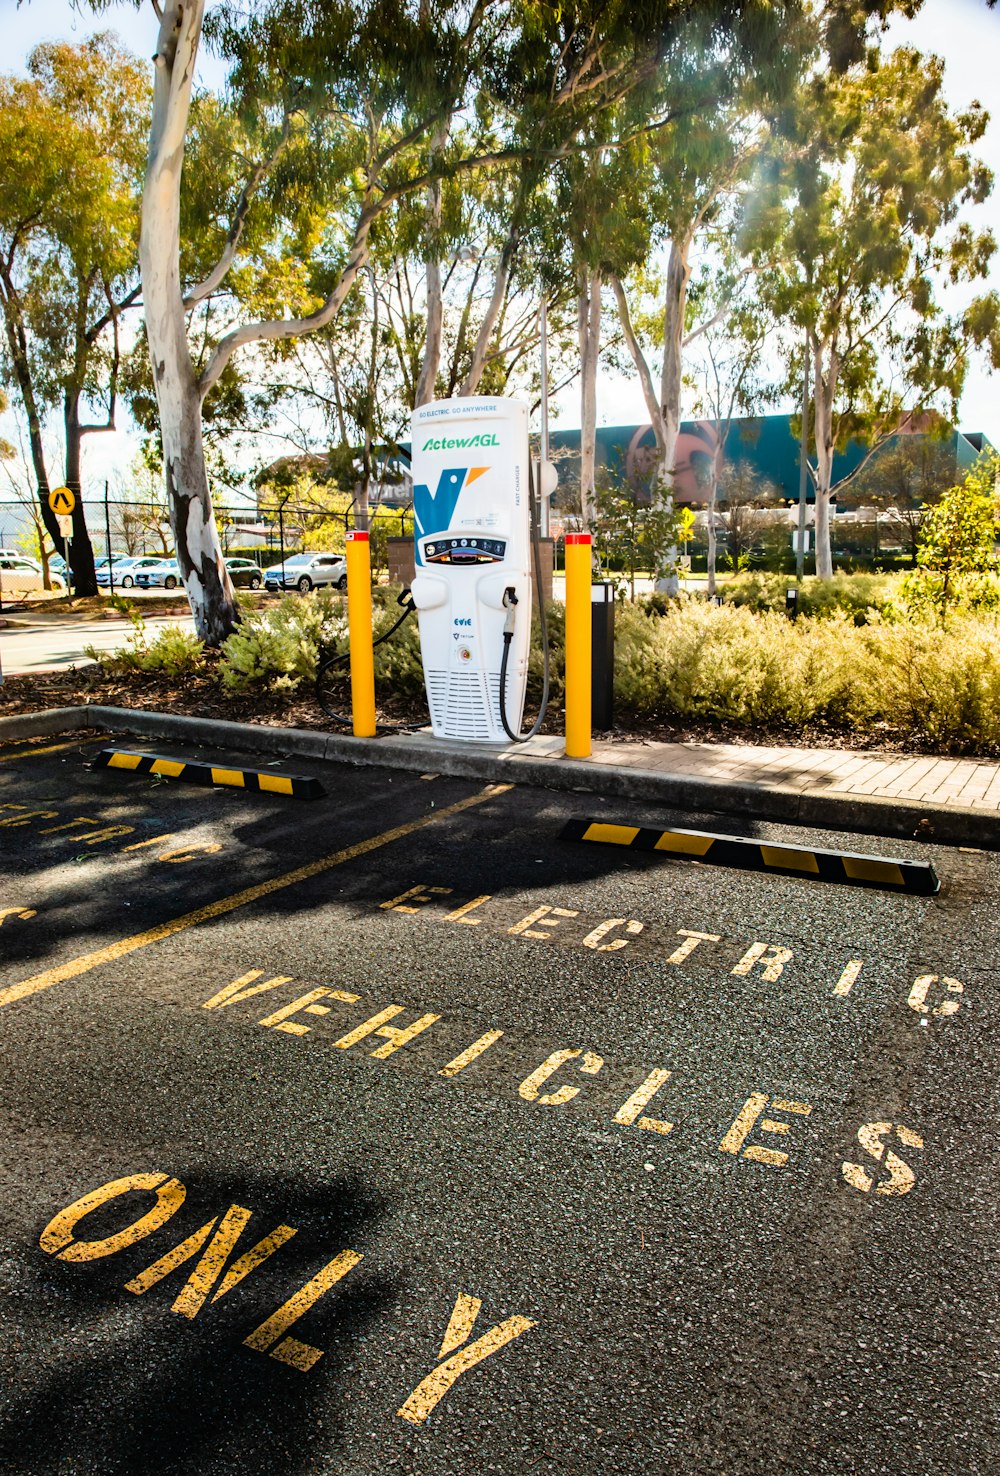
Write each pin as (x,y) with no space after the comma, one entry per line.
(418,753)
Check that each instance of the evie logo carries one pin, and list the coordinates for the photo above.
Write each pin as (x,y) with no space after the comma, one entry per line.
(458,621)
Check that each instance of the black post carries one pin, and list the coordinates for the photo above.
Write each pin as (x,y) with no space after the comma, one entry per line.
(602,626)
(281,539)
(107,539)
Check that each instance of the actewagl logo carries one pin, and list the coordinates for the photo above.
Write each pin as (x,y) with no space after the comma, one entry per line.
(448,443)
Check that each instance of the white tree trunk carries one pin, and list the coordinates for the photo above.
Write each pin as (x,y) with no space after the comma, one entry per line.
(210,592)
(671,384)
(653,408)
(589,330)
(486,329)
(671,378)
(712,540)
(435,301)
(824,393)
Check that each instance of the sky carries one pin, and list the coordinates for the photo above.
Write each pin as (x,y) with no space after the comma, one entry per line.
(964,32)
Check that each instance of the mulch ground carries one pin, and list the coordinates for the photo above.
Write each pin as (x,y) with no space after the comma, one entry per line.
(202,696)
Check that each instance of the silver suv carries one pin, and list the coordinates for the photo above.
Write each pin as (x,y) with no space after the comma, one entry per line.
(308,571)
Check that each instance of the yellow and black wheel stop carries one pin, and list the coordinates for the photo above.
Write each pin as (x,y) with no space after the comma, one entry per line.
(298,786)
(915,877)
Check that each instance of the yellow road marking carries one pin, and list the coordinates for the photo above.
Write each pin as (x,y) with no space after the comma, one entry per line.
(849,977)
(471,1053)
(463,1320)
(300,1355)
(52,748)
(431,1390)
(87,961)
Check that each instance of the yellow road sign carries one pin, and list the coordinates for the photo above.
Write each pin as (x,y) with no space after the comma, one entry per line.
(62,501)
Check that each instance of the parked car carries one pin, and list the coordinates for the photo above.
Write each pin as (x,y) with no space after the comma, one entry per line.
(244,573)
(125,571)
(165,573)
(308,571)
(19,575)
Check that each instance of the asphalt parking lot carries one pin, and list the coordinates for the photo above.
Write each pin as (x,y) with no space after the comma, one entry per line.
(389,1132)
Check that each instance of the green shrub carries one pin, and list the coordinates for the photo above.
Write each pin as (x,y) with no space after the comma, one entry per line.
(887,678)
(853,594)
(277,649)
(173,651)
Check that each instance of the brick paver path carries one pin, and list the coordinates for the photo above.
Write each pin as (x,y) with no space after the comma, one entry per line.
(970,783)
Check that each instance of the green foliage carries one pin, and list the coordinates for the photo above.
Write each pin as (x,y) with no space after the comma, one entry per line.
(172,652)
(632,536)
(72,142)
(888,680)
(956,556)
(277,650)
(861,596)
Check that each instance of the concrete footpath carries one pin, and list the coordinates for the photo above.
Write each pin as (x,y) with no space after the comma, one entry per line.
(950,801)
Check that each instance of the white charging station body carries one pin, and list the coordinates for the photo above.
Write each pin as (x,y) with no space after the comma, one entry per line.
(472,536)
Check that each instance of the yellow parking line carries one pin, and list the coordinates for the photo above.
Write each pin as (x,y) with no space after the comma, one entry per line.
(52,748)
(87,961)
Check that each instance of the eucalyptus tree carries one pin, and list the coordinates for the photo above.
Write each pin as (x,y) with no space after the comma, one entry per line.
(345,104)
(723,95)
(729,377)
(72,138)
(864,217)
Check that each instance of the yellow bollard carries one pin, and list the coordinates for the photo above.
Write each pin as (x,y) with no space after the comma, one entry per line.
(359,622)
(578,645)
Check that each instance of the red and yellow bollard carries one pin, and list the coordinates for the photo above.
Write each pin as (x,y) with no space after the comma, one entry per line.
(578,645)
(359,623)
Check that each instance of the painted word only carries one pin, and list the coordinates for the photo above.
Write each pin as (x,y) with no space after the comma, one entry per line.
(222,1264)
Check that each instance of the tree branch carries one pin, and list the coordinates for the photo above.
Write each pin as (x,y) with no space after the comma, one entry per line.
(279,328)
(649,394)
(217,275)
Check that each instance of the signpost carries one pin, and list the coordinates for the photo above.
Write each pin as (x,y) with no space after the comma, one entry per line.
(62,501)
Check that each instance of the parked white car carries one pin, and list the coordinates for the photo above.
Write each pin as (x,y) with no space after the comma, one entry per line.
(20,575)
(164,572)
(308,571)
(125,571)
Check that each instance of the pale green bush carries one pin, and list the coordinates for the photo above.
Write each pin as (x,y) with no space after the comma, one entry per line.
(277,649)
(855,594)
(890,678)
(173,651)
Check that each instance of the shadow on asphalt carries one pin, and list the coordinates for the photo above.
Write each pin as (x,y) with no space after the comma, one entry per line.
(113,1383)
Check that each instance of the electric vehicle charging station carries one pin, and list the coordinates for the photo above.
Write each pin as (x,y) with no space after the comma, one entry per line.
(472,550)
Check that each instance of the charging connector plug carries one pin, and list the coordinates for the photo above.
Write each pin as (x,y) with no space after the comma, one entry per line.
(509,603)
